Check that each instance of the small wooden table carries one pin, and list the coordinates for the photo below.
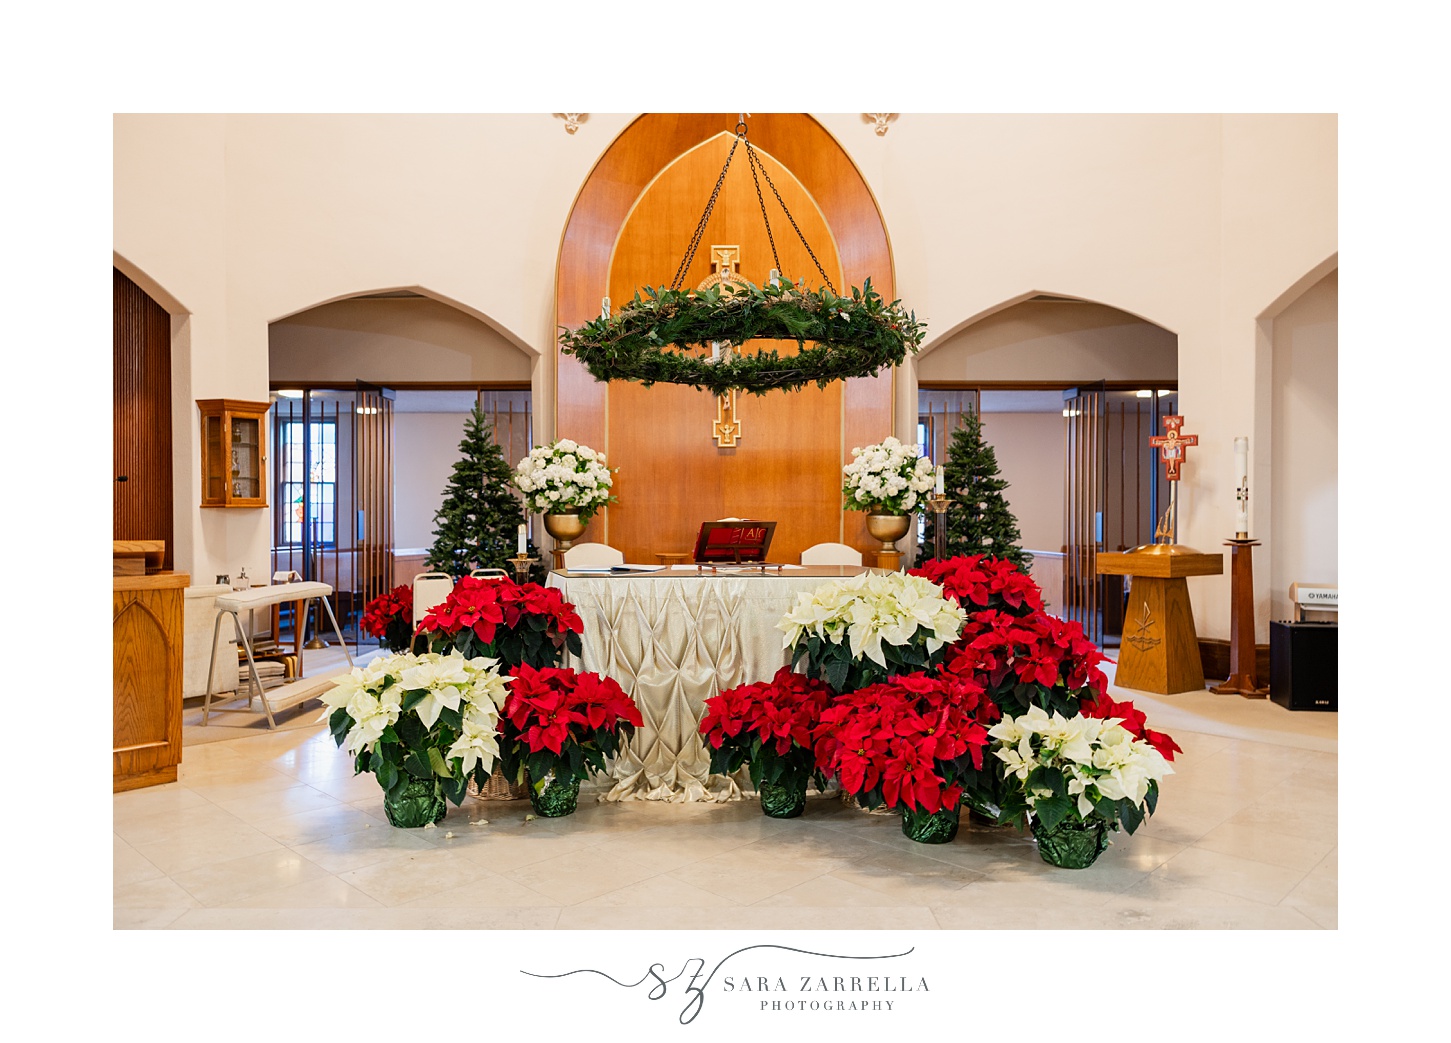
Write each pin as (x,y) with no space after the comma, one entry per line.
(1160,651)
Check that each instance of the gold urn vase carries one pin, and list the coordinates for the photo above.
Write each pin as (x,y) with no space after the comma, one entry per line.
(889,528)
(565,528)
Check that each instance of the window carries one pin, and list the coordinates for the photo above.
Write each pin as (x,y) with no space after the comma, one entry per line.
(321,483)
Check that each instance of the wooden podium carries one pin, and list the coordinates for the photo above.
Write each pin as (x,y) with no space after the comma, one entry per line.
(1160,651)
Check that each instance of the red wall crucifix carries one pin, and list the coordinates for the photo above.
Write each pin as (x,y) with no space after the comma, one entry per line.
(1173,445)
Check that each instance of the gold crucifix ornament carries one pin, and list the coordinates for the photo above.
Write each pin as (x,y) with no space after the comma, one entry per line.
(726,431)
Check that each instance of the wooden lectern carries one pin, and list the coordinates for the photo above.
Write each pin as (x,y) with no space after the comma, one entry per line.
(1160,651)
(146,666)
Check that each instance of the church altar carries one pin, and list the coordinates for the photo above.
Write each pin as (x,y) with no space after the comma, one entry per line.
(673,639)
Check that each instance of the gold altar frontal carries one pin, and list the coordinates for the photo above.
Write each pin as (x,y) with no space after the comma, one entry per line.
(1160,651)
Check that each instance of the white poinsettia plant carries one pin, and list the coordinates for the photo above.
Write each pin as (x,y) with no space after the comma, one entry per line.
(865,628)
(424,717)
(887,478)
(1076,768)
(564,478)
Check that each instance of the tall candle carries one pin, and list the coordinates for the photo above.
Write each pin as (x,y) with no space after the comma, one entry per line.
(523,541)
(941,486)
(1241,485)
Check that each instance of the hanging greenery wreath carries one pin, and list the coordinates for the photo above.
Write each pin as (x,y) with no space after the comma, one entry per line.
(655,338)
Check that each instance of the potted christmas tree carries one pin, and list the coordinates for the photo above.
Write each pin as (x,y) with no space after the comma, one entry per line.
(478,523)
(978,520)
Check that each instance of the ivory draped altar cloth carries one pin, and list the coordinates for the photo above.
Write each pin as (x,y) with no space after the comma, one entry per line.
(673,639)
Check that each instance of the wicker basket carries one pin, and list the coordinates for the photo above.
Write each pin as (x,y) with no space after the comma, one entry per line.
(497,787)
(850,801)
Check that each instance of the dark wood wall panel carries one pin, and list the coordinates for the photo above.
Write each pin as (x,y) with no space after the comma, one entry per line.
(141,434)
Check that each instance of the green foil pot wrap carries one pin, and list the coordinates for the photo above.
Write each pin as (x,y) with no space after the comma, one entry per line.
(930,827)
(418,804)
(783,800)
(556,798)
(1071,844)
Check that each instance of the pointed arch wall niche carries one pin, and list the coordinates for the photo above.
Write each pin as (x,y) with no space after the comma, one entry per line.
(629,227)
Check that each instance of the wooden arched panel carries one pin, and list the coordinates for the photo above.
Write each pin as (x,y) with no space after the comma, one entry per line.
(810,163)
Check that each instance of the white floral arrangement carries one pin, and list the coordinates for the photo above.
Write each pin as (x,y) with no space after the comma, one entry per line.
(564,478)
(456,701)
(1068,765)
(872,612)
(887,478)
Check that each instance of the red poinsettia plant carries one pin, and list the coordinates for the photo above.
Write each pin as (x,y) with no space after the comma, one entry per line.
(561,724)
(515,623)
(768,726)
(978,582)
(1023,660)
(389,618)
(906,742)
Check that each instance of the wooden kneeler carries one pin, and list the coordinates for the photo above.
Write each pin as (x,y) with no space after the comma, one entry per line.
(263,597)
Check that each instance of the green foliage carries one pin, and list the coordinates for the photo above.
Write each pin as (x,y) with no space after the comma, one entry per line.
(652,339)
(532,642)
(795,767)
(408,749)
(833,663)
(477,527)
(978,519)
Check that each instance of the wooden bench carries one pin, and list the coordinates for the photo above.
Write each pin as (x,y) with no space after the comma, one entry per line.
(264,597)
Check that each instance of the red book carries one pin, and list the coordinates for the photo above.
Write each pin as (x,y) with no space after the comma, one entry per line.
(733,541)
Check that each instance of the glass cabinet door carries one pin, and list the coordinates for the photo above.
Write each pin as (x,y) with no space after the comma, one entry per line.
(234,453)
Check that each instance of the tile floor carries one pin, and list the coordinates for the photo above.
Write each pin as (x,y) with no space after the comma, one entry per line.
(272,831)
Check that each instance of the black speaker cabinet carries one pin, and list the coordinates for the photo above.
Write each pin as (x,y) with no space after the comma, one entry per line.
(1304,665)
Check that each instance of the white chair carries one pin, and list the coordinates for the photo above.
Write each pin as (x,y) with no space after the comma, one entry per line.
(489,574)
(592,554)
(831,554)
(430,589)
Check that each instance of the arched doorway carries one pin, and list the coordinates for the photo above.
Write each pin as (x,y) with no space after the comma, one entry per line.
(1069,391)
(370,397)
(142,503)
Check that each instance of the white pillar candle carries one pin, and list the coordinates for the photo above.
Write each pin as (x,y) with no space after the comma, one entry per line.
(775,277)
(715,349)
(523,541)
(941,479)
(1241,484)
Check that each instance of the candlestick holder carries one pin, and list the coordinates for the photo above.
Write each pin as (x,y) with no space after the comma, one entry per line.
(521,564)
(938,502)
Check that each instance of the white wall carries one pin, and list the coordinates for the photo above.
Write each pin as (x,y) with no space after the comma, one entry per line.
(1304,533)
(1195,223)
(1054,341)
(425,448)
(391,339)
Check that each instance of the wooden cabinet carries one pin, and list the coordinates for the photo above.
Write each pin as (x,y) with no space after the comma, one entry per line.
(146,646)
(234,452)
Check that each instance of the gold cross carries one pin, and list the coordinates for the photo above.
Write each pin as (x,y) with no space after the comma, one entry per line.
(727,427)
(723,260)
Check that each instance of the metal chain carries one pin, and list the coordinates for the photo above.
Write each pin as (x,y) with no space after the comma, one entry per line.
(750,153)
(751,157)
(709,206)
(755,162)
